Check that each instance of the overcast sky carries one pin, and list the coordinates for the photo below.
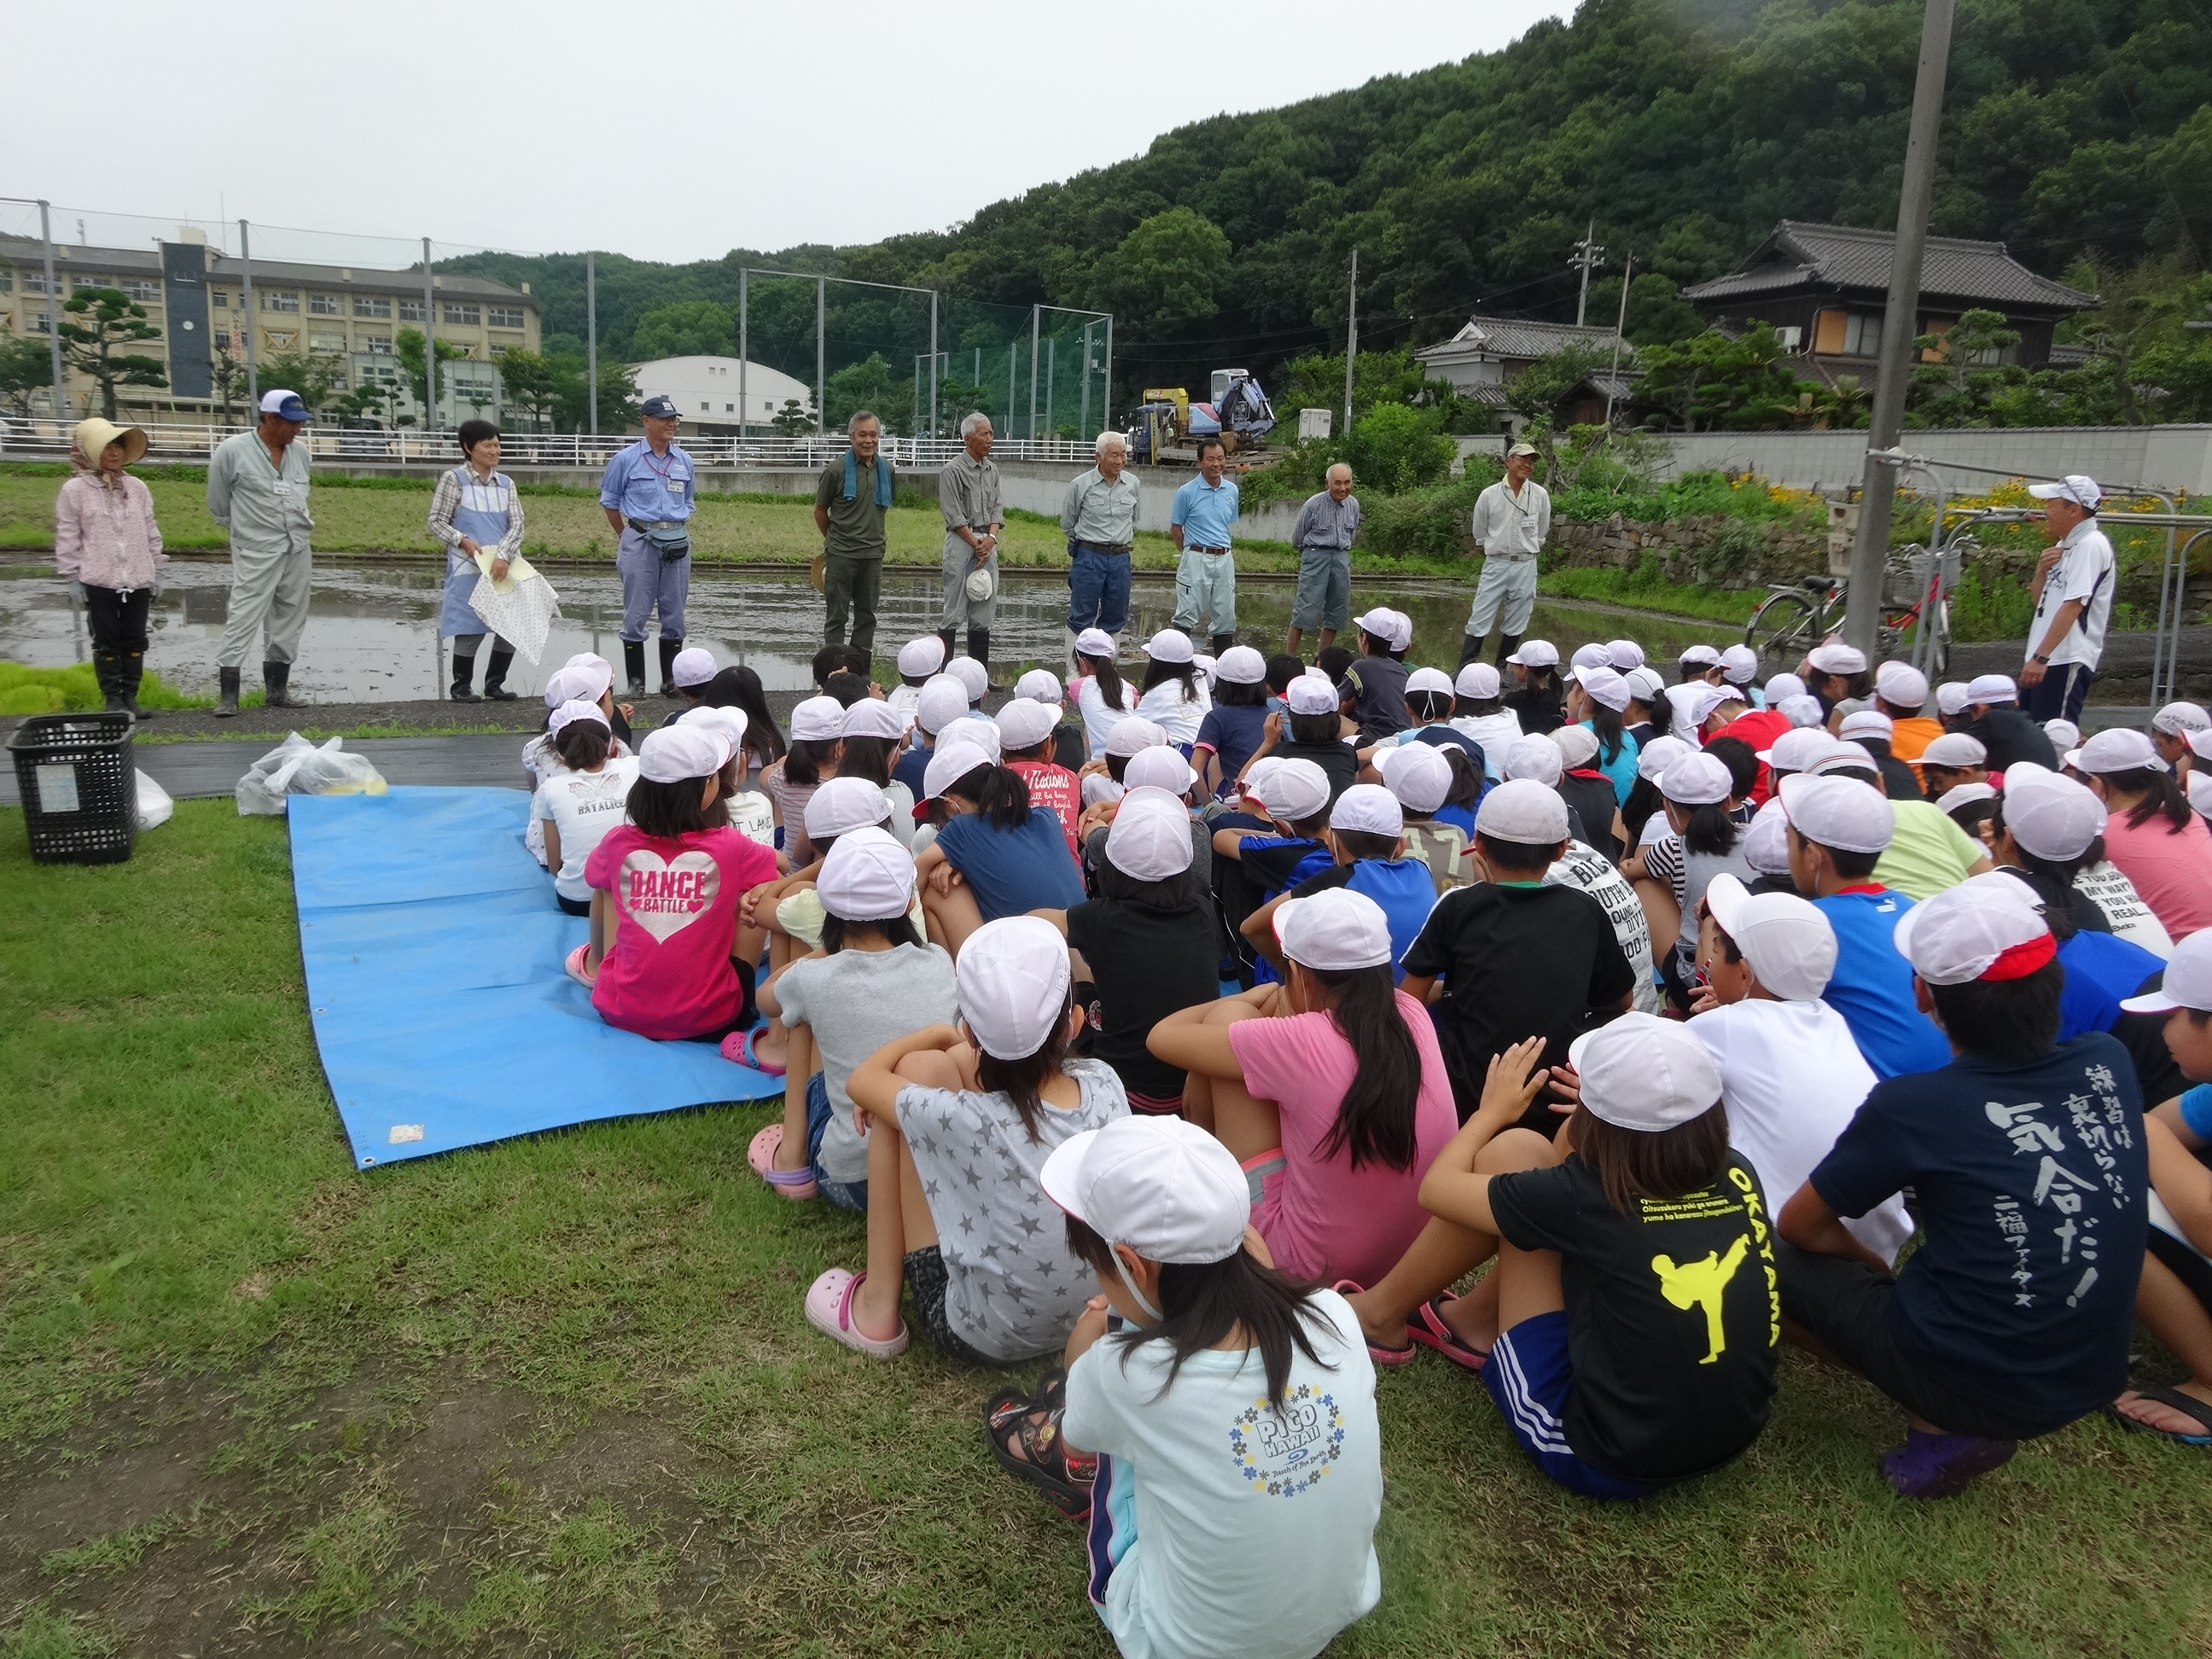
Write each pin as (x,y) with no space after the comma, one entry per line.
(665,129)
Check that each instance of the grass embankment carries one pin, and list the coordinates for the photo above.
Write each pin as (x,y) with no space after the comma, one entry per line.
(558,1393)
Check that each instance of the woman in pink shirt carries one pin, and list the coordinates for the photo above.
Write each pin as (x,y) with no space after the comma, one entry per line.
(2158,844)
(1329,1088)
(106,543)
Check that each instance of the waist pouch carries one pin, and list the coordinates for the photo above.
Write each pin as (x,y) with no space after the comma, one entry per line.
(671,542)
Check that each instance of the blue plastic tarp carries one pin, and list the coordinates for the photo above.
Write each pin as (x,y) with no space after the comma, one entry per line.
(434,954)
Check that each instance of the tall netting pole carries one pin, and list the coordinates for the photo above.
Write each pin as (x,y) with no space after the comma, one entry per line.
(429,342)
(1036,314)
(821,379)
(744,343)
(591,337)
(933,364)
(54,321)
(246,299)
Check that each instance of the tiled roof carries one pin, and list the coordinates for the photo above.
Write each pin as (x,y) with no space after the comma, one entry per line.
(1517,337)
(1799,254)
(27,250)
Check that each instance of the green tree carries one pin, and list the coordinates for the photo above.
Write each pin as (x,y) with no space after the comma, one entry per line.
(98,329)
(869,384)
(409,345)
(1316,381)
(313,374)
(1957,388)
(1714,382)
(357,405)
(791,421)
(691,328)
(1536,392)
(25,369)
(1166,274)
(1396,447)
(227,378)
(530,382)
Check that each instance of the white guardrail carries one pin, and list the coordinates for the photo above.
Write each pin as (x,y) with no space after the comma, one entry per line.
(47,440)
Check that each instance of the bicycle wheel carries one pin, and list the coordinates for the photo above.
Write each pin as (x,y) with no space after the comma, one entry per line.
(1784,627)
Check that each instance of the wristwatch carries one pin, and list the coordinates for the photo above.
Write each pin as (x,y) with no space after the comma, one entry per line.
(2040,657)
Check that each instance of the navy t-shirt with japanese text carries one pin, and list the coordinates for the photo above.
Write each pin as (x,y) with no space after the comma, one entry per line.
(2029,1181)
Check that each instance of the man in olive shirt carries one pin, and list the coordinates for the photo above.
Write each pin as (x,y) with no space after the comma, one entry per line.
(968,493)
(850,500)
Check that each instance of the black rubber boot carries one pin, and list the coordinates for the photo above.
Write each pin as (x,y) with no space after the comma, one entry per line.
(668,649)
(463,690)
(1507,644)
(226,707)
(1470,649)
(131,676)
(945,634)
(979,646)
(1222,642)
(495,677)
(633,666)
(274,678)
(107,670)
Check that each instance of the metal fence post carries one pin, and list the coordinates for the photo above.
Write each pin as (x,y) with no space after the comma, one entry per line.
(1036,313)
(246,299)
(933,363)
(54,324)
(744,343)
(429,344)
(1051,374)
(592,337)
(1106,381)
(1082,422)
(821,328)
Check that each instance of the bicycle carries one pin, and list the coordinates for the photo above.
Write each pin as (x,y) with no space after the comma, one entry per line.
(1794,617)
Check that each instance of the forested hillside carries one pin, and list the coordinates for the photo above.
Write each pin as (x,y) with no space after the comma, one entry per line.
(2075,130)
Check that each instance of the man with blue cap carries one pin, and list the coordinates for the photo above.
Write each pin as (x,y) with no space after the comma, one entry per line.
(257,490)
(649,493)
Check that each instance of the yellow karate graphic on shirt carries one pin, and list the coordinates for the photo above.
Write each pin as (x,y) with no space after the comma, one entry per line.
(1701,1285)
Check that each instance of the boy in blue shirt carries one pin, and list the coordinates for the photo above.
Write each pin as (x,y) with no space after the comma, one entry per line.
(1249,870)
(1366,836)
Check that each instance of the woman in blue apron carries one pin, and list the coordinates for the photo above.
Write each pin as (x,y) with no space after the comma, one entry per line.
(475,506)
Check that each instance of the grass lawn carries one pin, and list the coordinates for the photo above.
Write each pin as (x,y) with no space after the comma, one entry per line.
(558,1395)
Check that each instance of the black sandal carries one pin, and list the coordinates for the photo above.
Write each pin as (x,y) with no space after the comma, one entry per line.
(2172,1400)
(1034,1452)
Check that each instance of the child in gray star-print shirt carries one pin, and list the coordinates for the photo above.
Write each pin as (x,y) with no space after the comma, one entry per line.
(1013,1291)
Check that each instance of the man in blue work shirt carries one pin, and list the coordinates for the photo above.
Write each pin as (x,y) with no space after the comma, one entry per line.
(647,491)
(1205,576)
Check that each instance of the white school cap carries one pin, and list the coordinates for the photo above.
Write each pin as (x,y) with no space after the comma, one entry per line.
(1419,774)
(1739,663)
(2177,720)
(1537,759)
(1257,774)
(866,877)
(1294,792)
(1955,751)
(1702,656)
(1150,837)
(1024,723)
(1159,767)
(1313,694)
(1640,1072)
(975,678)
(1767,843)
(1838,757)
(1698,780)
(693,665)
(1901,683)
(1593,655)
(729,722)
(1656,755)
(1839,813)
(1095,642)
(919,659)
(2077,487)
(1367,809)
(577,710)
(2117,749)
(1428,679)
(2051,815)
(1866,723)
(2200,791)
(1536,653)
(1204,666)
(1133,734)
(817,720)
(942,701)
(1523,811)
(1039,685)
(1989,927)
(872,717)
(1623,655)
(1965,794)
(580,681)
(1950,698)
(948,763)
(1645,685)
(1170,645)
(841,804)
(1241,664)
(1834,657)
(1394,628)
(1477,682)
(1711,698)
(1604,685)
(2063,734)
(1796,748)
(1334,931)
(1013,975)
(1162,1186)
(1577,745)
(1991,688)
(1803,709)
(1781,686)
(2188,981)
(1789,944)
(673,753)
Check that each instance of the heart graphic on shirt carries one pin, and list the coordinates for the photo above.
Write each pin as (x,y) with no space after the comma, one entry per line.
(665,897)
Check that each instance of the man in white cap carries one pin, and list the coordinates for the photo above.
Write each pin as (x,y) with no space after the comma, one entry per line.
(2027,1161)
(2073,587)
(257,490)
(649,492)
(1324,535)
(1994,720)
(1512,519)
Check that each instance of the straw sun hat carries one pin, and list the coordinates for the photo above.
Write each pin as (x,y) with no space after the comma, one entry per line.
(93,437)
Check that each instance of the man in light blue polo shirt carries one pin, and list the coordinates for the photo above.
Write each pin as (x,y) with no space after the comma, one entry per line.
(648,492)
(1206,577)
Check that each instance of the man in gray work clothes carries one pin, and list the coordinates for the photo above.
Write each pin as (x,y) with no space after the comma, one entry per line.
(1322,535)
(1098,516)
(1512,519)
(967,495)
(257,490)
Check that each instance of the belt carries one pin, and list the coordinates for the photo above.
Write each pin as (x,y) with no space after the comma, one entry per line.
(1511,558)
(641,526)
(1101,547)
(1193,547)
(1315,548)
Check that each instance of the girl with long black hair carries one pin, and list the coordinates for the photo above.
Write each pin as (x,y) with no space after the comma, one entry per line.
(1099,693)
(1329,1088)
(2158,844)
(994,856)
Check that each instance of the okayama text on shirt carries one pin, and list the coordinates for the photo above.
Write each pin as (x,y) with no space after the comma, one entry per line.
(1699,1286)
(664,897)
(2053,1214)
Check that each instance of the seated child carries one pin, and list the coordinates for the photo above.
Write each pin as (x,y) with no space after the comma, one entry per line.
(1232,728)
(1232,1417)
(1101,776)
(1637,1325)
(1026,735)
(959,1123)
(1282,668)
(580,803)
(835,658)
(1588,792)
(1479,715)
(1100,695)
(941,703)
(918,660)
(1171,695)
(2026,1162)
(817,725)
(873,980)
(1373,688)
(674,873)
(995,855)
(583,678)
(1329,1089)
(1582,865)
(1540,701)
(691,672)
(1250,869)
(1597,698)
(1420,778)
(872,733)
(1697,794)
(1311,730)
(1366,839)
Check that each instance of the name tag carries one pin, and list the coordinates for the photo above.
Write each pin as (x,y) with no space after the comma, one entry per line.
(675,486)
(282,487)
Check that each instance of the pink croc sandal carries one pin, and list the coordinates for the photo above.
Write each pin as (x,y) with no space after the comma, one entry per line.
(1375,1351)
(737,1049)
(576,968)
(793,1184)
(829,1310)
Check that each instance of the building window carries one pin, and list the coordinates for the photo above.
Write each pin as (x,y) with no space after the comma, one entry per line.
(325,305)
(729,409)
(220,298)
(280,339)
(78,284)
(143,290)
(34,282)
(503,316)
(1861,335)
(411,311)
(459,313)
(37,322)
(377,344)
(326,343)
(222,339)
(365,306)
(277,300)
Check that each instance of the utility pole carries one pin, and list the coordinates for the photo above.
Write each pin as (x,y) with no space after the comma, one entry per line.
(246,299)
(54,324)
(933,363)
(1351,338)
(1628,270)
(744,347)
(1878,488)
(1588,255)
(429,342)
(1035,312)
(591,339)
(821,383)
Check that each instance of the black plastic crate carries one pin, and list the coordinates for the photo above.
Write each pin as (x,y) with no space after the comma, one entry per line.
(79,784)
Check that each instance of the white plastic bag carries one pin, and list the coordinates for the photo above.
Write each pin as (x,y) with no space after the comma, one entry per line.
(296,766)
(155,806)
